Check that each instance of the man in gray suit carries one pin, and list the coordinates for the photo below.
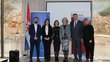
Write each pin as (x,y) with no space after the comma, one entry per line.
(76,36)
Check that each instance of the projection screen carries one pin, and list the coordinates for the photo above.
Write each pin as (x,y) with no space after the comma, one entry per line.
(60,9)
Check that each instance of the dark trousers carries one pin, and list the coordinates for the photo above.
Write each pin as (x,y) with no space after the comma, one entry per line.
(56,45)
(89,49)
(47,45)
(37,44)
(77,48)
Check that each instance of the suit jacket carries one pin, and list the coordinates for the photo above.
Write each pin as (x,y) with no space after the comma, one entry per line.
(67,32)
(33,34)
(49,32)
(76,32)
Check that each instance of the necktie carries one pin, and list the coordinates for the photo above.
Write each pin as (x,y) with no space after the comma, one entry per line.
(75,24)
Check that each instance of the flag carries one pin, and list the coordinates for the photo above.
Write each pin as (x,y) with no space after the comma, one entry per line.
(26,44)
(28,12)
(27,37)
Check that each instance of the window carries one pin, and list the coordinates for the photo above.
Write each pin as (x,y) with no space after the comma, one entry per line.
(101,22)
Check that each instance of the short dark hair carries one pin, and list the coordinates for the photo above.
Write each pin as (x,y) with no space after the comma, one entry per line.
(55,22)
(86,19)
(75,14)
(36,17)
(47,20)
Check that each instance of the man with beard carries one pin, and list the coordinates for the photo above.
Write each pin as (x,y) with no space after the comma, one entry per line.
(35,33)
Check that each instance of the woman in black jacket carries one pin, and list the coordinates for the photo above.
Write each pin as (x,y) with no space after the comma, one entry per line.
(47,39)
(88,37)
(56,39)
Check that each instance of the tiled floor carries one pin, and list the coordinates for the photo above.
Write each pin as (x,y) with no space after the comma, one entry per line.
(61,60)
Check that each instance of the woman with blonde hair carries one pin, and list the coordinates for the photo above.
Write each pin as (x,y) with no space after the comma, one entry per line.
(65,38)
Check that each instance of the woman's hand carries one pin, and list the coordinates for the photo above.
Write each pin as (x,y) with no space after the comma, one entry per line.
(82,40)
(46,38)
(90,41)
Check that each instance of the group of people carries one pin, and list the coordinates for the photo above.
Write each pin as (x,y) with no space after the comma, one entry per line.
(76,32)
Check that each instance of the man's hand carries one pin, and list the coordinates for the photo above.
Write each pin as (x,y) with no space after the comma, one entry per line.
(35,38)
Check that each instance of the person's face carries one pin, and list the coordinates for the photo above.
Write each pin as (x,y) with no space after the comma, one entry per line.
(35,20)
(56,23)
(75,17)
(64,22)
(86,22)
(47,22)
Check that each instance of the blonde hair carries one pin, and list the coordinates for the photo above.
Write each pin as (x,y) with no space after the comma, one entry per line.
(65,19)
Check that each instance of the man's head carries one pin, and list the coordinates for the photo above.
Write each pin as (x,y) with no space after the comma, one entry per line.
(36,20)
(74,17)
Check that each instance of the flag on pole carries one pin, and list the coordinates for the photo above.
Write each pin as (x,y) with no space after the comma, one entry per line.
(28,12)
(27,37)
(26,44)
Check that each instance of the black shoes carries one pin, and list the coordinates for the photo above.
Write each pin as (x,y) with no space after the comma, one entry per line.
(30,60)
(80,60)
(75,60)
(56,59)
(47,60)
(65,60)
(38,60)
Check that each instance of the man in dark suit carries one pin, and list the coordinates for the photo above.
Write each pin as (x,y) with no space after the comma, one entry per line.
(76,35)
(35,33)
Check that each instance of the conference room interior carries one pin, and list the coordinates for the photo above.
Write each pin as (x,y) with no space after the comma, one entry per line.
(13,12)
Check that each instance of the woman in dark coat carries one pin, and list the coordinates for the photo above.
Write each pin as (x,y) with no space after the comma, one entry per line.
(56,39)
(88,37)
(47,39)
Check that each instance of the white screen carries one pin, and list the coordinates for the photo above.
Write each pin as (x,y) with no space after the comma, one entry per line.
(58,10)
